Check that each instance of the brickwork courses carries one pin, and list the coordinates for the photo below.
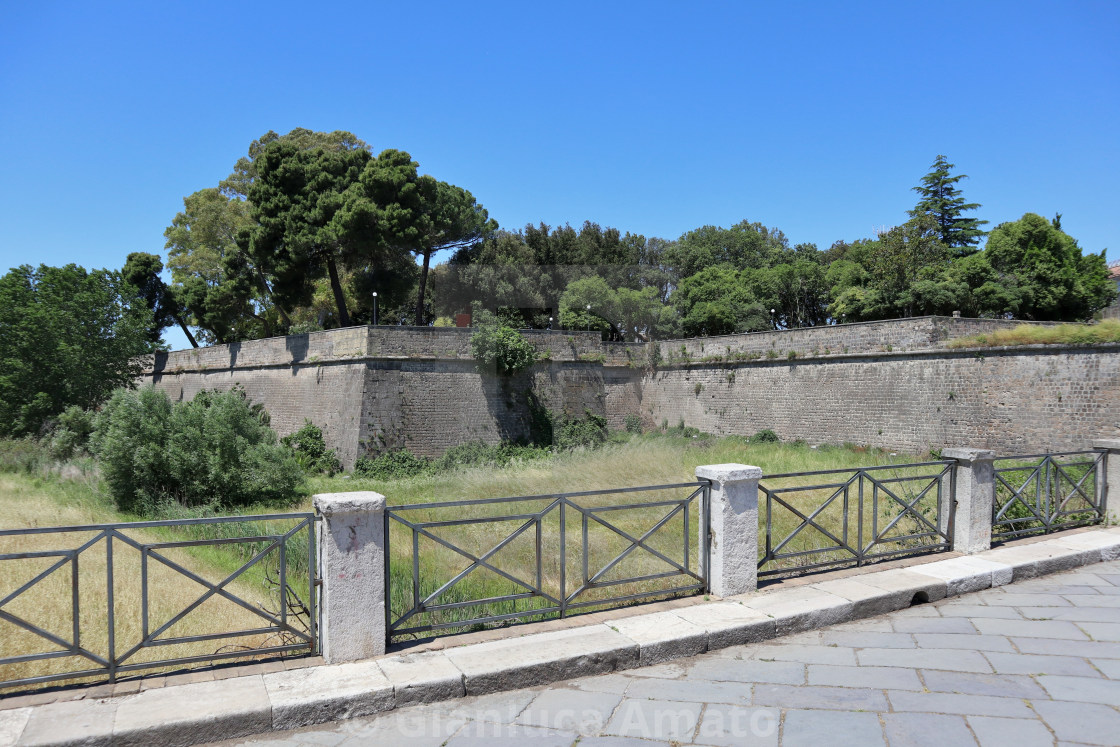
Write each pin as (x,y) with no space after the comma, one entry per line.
(891,384)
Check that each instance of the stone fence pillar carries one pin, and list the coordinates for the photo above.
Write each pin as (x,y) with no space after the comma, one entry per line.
(734,527)
(352,566)
(1111,478)
(972,500)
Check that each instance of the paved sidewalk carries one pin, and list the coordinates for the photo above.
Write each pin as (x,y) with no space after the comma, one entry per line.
(1033,663)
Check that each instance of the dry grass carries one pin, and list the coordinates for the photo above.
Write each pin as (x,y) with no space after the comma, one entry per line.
(29,502)
(640,461)
(1031,334)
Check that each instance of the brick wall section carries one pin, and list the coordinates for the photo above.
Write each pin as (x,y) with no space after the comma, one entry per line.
(918,333)
(391,387)
(1019,400)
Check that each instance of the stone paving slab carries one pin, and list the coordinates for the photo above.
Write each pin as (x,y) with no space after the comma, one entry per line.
(984,661)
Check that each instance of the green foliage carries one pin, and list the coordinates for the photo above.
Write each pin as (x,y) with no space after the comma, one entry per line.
(23,455)
(942,202)
(311,450)
(141,271)
(588,432)
(67,337)
(71,436)
(215,451)
(765,436)
(633,423)
(501,348)
(1054,280)
(392,465)
(480,454)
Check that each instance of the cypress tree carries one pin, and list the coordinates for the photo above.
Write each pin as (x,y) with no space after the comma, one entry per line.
(943,202)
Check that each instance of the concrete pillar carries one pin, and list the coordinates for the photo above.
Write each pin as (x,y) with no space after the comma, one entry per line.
(973,499)
(734,527)
(352,566)
(1111,478)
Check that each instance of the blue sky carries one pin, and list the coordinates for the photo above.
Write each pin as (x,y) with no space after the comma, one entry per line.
(652,117)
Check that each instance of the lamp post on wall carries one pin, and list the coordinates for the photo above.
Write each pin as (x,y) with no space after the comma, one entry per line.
(773,320)
(588,329)
(375,308)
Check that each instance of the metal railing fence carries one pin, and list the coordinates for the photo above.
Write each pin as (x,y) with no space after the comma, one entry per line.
(852,516)
(1043,493)
(543,556)
(100,600)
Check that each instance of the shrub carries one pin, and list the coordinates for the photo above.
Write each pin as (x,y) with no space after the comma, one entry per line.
(215,451)
(633,423)
(765,436)
(391,465)
(477,453)
(588,432)
(502,347)
(22,455)
(71,437)
(311,450)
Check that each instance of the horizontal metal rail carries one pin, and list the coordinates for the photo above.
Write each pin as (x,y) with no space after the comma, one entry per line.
(1043,493)
(860,516)
(414,607)
(95,643)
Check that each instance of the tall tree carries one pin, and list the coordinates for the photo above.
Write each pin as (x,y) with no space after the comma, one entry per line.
(141,271)
(67,337)
(224,291)
(1055,280)
(295,196)
(942,201)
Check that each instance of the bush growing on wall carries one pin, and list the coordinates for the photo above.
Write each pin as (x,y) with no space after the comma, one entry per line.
(216,451)
(495,344)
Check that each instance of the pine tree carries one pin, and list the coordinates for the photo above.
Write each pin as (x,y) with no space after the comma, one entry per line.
(943,202)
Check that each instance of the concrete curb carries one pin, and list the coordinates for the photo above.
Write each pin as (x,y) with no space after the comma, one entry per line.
(239,706)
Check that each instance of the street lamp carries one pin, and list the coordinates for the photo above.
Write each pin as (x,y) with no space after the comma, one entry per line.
(375,308)
(588,318)
(550,323)
(772,320)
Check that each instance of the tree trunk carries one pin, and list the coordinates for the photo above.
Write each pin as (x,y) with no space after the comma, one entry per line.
(187,332)
(266,293)
(420,293)
(336,288)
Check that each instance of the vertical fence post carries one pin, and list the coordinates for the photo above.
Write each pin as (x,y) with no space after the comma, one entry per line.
(352,542)
(973,496)
(1111,478)
(733,558)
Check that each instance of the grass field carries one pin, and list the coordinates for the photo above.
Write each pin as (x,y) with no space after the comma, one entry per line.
(37,501)
(639,461)
(31,500)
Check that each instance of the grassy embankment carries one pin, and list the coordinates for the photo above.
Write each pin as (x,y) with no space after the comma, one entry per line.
(77,498)
(29,500)
(1031,334)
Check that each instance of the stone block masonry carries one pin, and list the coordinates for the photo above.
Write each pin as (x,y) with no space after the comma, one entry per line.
(378,388)
(1012,401)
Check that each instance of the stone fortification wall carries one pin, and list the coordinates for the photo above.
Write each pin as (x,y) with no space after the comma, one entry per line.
(1019,400)
(376,388)
(917,333)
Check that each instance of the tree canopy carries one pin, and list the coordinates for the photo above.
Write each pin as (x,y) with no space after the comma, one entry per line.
(68,336)
(943,202)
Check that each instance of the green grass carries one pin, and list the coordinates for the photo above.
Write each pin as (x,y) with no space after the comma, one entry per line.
(45,495)
(626,461)
(1032,334)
